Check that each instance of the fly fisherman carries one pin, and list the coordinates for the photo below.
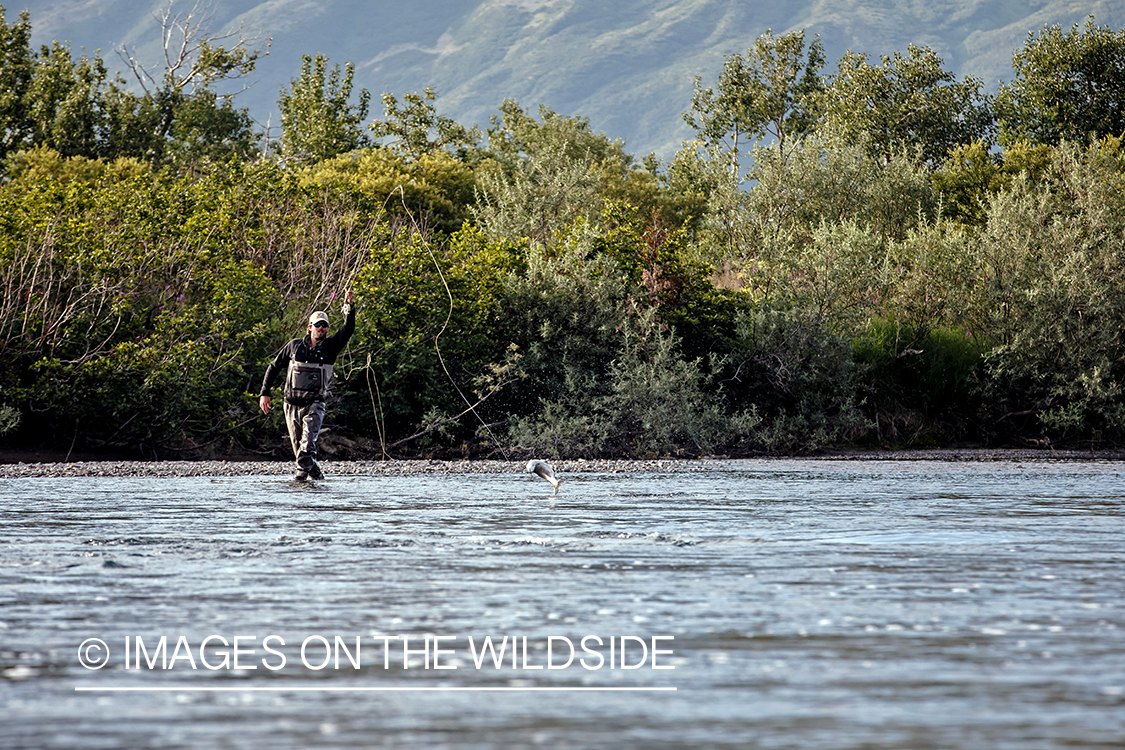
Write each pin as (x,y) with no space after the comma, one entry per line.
(307,364)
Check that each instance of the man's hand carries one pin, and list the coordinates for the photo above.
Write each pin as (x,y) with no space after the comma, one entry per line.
(349,296)
(264,404)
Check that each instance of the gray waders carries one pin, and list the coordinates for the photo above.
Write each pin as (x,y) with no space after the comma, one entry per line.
(304,427)
(306,380)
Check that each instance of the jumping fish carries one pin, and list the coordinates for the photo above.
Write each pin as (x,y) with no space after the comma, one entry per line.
(543,469)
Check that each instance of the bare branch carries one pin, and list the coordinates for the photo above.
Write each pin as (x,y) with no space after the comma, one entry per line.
(194,56)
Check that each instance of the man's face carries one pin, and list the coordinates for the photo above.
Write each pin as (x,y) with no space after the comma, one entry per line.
(318,332)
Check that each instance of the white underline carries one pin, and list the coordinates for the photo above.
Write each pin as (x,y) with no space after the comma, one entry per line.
(282,689)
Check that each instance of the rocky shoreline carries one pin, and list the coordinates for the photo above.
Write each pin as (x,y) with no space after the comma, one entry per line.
(18,470)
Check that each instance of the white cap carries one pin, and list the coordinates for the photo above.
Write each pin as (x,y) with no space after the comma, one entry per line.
(317,317)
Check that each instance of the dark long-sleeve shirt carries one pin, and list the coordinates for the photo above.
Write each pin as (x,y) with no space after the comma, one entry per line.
(302,350)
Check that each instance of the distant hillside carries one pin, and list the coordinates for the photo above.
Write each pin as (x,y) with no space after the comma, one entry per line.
(628,65)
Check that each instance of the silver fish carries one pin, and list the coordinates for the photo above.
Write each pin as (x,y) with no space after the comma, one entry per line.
(543,469)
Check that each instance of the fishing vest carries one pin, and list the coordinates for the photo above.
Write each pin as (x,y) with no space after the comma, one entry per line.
(307,382)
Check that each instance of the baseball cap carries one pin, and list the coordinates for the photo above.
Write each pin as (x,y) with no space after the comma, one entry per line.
(317,317)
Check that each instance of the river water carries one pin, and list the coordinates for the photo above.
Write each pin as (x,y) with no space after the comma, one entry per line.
(769,604)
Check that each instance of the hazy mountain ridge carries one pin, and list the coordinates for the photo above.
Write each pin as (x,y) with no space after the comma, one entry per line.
(627,66)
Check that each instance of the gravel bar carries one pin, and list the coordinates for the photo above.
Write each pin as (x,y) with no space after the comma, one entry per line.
(598,466)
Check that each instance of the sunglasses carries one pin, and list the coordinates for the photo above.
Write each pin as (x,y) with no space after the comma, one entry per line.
(320,324)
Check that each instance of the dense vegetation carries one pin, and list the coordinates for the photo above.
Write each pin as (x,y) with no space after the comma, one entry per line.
(875,255)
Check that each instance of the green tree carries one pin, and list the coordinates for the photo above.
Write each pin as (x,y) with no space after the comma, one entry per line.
(17,67)
(515,134)
(773,91)
(135,126)
(539,198)
(175,127)
(415,127)
(65,102)
(591,166)
(433,328)
(651,401)
(1068,86)
(209,126)
(139,307)
(317,122)
(905,103)
(44,162)
(971,176)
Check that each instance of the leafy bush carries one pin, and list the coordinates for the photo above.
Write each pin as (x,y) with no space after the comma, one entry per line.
(651,402)
(801,379)
(9,419)
(1052,300)
(434,191)
(432,331)
(138,312)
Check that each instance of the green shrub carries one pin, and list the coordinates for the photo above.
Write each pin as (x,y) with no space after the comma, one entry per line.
(9,420)
(651,402)
(1051,300)
(801,379)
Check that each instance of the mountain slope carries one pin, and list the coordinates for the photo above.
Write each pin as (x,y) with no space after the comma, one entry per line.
(628,66)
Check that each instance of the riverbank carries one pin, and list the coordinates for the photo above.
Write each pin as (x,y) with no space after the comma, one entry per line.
(18,469)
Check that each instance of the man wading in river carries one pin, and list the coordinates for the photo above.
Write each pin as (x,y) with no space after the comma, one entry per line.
(307,364)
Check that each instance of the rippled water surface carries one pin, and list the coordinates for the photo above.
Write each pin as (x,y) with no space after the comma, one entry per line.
(802,604)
